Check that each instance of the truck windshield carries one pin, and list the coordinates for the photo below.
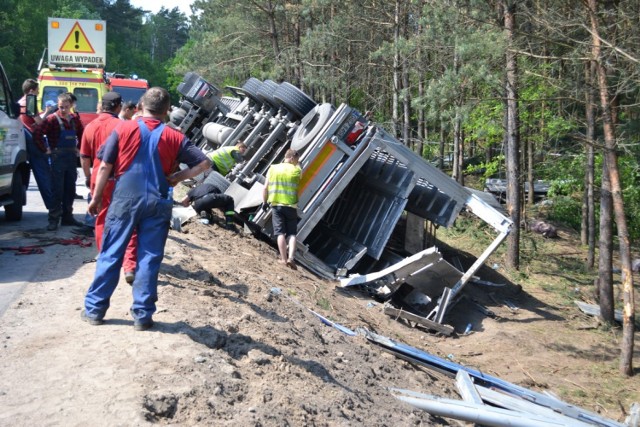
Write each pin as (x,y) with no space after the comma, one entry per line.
(87,99)
(50,93)
(129,93)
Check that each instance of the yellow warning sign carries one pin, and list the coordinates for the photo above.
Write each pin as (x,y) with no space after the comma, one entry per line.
(77,41)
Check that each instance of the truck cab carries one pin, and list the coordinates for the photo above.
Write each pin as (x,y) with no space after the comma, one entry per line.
(130,88)
(87,84)
(14,169)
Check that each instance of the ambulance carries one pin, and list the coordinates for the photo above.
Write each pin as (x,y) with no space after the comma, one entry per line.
(76,60)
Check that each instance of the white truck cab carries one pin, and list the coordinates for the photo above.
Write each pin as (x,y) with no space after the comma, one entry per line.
(14,169)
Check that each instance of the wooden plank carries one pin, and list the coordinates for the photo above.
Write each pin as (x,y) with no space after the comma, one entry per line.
(394,312)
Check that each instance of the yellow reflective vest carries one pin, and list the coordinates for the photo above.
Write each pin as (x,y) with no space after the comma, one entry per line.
(284,179)
(223,159)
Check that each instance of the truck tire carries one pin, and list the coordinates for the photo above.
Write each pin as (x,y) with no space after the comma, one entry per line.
(177,116)
(266,91)
(218,181)
(13,212)
(311,124)
(251,87)
(294,100)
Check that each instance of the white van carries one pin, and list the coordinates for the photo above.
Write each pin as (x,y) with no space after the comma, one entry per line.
(14,169)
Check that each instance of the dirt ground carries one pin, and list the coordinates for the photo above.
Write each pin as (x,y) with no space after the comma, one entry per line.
(235,343)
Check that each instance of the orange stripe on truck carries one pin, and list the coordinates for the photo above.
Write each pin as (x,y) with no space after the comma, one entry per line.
(311,171)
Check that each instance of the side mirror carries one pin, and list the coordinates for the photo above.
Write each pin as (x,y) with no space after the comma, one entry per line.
(32,105)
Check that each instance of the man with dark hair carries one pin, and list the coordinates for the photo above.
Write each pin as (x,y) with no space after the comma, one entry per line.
(141,155)
(281,192)
(95,135)
(58,136)
(128,110)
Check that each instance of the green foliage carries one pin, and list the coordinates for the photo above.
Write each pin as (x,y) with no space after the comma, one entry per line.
(566,210)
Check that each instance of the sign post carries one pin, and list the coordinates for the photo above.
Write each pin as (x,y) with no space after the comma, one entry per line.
(77,42)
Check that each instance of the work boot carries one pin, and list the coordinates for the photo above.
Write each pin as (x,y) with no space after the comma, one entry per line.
(53,225)
(70,220)
(142,325)
(94,321)
(229,223)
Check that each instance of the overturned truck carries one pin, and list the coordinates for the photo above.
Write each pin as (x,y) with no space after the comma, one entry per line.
(358,183)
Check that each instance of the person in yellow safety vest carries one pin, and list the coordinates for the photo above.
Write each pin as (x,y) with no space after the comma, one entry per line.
(281,192)
(225,158)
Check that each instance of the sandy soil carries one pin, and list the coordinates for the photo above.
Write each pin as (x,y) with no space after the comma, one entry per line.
(235,343)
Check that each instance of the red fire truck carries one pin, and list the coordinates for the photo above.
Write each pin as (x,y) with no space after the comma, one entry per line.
(131,88)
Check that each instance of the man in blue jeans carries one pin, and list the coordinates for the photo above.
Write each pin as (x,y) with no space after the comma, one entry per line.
(141,155)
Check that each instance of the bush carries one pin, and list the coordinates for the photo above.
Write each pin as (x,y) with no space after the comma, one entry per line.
(566,210)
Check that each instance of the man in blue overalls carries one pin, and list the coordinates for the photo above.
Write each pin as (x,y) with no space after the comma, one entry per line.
(141,154)
(58,136)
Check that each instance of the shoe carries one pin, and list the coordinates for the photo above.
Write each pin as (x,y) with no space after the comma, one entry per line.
(142,325)
(90,320)
(129,277)
(292,264)
(53,226)
(78,197)
(72,221)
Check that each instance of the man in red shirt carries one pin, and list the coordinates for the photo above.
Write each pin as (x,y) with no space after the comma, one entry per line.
(58,136)
(142,155)
(94,136)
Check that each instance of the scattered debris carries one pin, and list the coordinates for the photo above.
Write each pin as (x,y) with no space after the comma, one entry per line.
(521,406)
(544,228)
(594,310)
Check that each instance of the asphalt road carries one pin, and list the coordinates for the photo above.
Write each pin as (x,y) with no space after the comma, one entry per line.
(17,271)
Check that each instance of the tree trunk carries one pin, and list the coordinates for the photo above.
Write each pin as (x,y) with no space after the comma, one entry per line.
(442,142)
(588,234)
(513,138)
(626,356)
(457,148)
(604,284)
(396,70)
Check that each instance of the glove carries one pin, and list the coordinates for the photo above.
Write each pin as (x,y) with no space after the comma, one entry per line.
(264,206)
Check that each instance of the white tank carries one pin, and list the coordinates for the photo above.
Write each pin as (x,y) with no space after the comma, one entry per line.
(216,133)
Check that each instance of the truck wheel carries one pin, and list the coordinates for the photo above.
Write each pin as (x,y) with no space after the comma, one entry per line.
(177,116)
(266,91)
(294,100)
(311,125)
(218,181)
(250,89)
(13,212)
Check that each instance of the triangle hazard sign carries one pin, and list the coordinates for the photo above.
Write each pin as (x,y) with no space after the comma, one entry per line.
(77,41)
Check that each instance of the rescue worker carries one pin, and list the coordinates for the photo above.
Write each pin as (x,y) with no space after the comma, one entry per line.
(207,196)
(225,158)
(62,131)
(94,136)
(141,154)
(38,161)
(281,192)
